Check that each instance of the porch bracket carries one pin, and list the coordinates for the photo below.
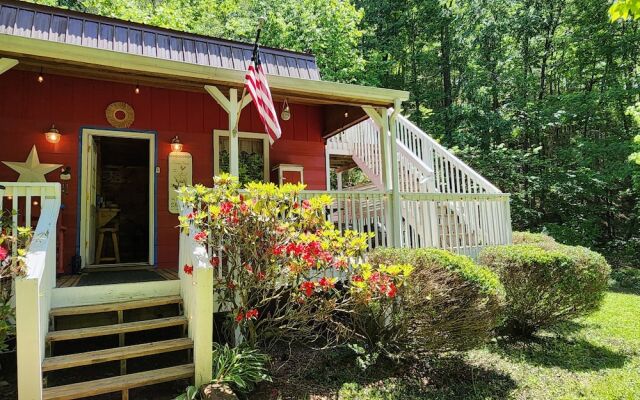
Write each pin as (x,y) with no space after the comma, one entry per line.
(6,64)
(232,106)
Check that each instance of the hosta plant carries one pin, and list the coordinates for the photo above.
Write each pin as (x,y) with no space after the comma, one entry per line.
(286,272)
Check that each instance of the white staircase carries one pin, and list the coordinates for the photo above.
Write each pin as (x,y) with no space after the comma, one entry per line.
(445,203)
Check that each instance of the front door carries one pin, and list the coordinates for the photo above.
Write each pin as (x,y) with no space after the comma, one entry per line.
(117,215)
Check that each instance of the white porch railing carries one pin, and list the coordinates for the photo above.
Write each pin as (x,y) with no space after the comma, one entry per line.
(423,164)
(33,291)
(197,299)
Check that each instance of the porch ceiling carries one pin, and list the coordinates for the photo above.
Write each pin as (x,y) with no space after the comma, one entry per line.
(73,60)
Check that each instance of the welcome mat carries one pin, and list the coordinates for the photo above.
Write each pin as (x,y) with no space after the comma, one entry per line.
(112,277)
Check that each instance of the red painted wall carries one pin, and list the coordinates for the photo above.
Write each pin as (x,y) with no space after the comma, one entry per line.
(28,108)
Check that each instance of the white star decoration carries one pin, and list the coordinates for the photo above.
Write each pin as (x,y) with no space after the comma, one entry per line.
(31,170)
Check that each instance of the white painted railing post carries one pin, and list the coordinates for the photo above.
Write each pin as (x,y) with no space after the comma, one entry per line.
(203,325)
(196,290)
(30,352)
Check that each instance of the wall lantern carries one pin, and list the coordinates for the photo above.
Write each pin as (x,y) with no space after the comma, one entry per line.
(40,77)
(53,135)
(176,146)
(286,112)
(137,89)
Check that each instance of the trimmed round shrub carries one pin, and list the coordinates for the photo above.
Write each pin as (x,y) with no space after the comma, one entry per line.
(449,303)
(532,238)
(546,284)
(627,278)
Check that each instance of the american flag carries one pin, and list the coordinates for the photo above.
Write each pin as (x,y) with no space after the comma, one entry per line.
(256,84)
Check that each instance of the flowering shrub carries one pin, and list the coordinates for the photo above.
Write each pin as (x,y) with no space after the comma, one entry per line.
(286,272)
(11,265)
(449,303)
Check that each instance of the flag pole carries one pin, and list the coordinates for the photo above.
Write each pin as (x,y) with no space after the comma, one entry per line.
(261,22)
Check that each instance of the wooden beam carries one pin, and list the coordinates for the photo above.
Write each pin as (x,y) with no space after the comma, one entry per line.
(6,64)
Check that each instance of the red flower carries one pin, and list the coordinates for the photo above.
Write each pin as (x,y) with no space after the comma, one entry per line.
(249,268)
(260,275)
(188,269)
(392,290)
(357,278)
(307,287)
(231,285)
(191,215)
(305,204)
(251,314)
(295,206)
(325,283)
(3,253)
(200,236)
(226,207)
(278,250)
(239,316)
(244,208)
(340,263)
(215,261)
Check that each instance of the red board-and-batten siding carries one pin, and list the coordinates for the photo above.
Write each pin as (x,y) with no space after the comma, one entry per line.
(28,108)
(45,23)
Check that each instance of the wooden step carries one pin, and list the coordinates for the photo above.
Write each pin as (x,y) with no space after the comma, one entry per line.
(108,307)
(113,354)
(118,383)
(114,329)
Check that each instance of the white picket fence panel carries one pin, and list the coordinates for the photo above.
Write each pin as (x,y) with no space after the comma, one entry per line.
(33,291)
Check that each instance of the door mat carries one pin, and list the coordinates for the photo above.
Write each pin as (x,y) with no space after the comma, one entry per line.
(113,277)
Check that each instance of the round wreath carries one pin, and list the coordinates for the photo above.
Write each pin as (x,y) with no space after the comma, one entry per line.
(120,114)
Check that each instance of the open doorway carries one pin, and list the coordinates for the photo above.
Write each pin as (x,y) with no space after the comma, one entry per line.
(117,213)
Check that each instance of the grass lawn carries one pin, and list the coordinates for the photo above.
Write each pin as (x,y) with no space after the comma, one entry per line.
(597,357)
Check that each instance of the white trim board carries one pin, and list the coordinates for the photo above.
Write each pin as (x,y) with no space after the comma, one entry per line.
(87,134)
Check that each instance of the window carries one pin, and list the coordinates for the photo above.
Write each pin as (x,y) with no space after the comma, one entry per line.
(253,157)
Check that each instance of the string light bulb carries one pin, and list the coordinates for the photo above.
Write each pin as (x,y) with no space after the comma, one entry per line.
(137,91)
(40,77)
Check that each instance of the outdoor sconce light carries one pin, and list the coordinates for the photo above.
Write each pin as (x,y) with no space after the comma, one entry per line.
(40,77)
(137,90)
(53,135)
(176,146)
(286,112)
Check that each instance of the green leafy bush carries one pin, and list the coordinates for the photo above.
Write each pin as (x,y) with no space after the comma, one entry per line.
(239,367)
(627,278)
(532,238)
(547,283)
(448,303)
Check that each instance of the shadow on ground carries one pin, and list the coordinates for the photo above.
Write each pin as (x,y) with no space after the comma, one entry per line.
(329,374)
(557,351)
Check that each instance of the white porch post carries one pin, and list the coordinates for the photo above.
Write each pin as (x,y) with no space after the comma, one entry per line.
(339,181)
(232,106)
(6,64)
(389,122)
(234,154)
(390,179)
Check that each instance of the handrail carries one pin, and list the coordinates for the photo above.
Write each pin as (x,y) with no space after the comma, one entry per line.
(488,186)
(33,291)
